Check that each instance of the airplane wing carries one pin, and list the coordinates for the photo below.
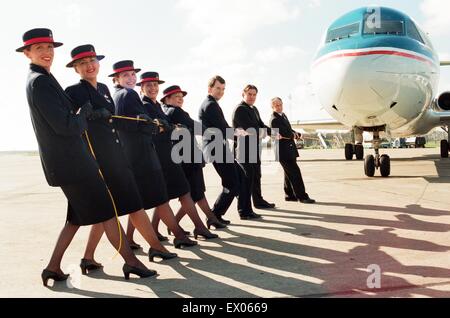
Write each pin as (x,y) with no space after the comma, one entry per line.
(445,63)
(326,124)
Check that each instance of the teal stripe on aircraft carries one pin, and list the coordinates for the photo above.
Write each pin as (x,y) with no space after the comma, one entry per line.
(366,41)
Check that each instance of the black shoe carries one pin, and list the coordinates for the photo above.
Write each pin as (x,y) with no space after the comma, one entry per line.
(308,201)
(152,253)
(250,216)
(179,243)
(216,223)
(292,199)
(161,238)
(46,275)
(264,205)
(207,235)
(88,265)
(221,220)
(135,246)
(185,232)
(127,270)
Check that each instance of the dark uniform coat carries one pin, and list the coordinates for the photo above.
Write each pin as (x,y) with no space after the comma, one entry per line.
(58,130)
(104,138)
(65,158)
(285,149)
(212,117)
(193,169)
(176,182)
(247,117)
(137,141)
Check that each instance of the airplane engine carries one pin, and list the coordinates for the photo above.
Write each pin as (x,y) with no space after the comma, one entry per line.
(443,101)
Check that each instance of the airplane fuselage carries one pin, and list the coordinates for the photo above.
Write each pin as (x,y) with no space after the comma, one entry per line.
(382,76)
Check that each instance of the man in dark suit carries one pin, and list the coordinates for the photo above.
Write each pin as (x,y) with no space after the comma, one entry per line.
(212,117)
(287,154)
(258,200)
(247,149)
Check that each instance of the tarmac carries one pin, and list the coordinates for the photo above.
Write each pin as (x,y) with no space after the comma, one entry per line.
(365,237)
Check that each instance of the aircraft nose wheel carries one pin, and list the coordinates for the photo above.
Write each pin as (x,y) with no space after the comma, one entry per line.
(371,163)
(385,166)
(369,166)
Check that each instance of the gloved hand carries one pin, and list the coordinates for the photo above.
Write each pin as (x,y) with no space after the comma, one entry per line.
(145,117)
(86,110)
(101,113)
(165,125)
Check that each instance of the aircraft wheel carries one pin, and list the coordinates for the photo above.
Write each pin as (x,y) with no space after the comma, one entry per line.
(348,151)
(369,166)
(359,151)
(444,149)
(385,166)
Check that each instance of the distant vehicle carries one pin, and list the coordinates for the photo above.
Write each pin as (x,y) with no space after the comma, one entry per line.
(399,143)
(416,142)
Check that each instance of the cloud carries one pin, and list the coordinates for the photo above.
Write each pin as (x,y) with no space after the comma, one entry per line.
(436,16)
(314,3)
(235,18)
(276,54)
(225,25)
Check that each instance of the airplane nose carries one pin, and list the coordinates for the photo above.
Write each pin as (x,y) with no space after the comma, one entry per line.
(370,84)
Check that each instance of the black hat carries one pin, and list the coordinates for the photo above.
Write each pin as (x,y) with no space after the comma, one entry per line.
(172,90)
(37,36)
(83,51)
(150,77)
(123,66)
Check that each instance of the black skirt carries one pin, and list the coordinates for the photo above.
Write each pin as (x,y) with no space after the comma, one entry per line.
(88,201)
(153,189)
(194,175)
(176,182)
(115,167)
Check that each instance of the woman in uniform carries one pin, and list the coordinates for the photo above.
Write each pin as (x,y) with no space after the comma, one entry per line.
(177,184)
(193,168)
(136,134)
(66,160)
(103,139)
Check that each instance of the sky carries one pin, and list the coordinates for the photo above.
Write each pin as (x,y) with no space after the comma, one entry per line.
(268,43)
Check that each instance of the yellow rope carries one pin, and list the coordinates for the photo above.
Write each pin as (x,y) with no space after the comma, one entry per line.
(110,195)
(129,118)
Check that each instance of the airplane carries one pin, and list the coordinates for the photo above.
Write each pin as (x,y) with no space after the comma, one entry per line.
(376,71)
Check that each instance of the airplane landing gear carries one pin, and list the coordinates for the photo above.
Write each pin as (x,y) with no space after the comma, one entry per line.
(445,145)
(444,148)
(356,148)
(372,163)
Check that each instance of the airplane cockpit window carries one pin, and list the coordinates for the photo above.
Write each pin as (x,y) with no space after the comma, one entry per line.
(342,32)
(388,27)
(412,32)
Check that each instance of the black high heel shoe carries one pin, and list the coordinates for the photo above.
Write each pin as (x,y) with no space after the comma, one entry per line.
(152,253)
(161,237)
(135,246)
(185,232)
(206,235)
(179,243)
(215,223)
(46,275)
(88,265)
(142,273)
